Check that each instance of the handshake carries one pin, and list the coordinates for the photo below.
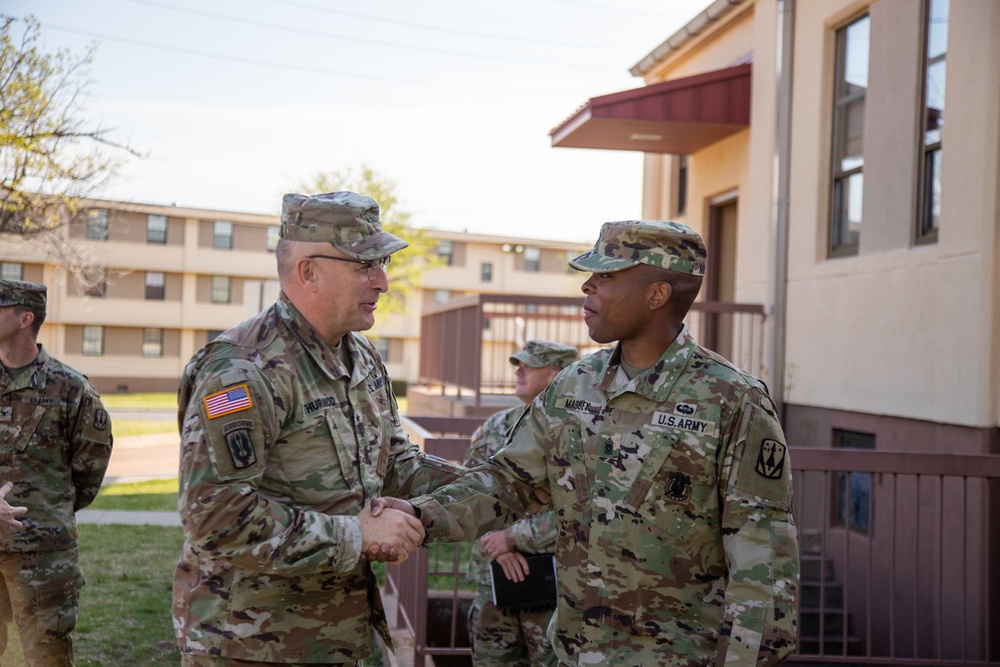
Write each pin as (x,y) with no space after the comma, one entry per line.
(390,530)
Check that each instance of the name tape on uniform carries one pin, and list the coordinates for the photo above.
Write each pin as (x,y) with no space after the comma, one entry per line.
(699,426)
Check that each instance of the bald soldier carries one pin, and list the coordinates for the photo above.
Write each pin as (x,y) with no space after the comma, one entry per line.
(55,444)
(668,473)
(289,429)
(503,637)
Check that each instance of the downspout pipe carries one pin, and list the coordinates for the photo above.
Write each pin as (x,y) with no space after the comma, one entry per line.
(780,222)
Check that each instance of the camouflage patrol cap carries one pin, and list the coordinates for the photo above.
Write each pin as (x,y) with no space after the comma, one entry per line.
(538,353)
(20,293)
(622,245)
(348,221)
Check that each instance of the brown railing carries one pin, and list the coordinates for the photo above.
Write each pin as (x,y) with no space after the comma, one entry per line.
(898,552)
(465,344)
(898,556)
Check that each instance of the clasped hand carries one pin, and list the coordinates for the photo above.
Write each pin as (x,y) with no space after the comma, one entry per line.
(9,513)
(390,530)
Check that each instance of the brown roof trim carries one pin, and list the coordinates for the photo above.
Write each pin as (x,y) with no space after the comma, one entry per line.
(679,116)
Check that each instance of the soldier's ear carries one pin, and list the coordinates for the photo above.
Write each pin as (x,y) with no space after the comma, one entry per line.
(27,319)
(305,273)
(658,294)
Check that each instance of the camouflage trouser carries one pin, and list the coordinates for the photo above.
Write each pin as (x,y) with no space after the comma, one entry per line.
(40,592)
(502,637)
(188,660)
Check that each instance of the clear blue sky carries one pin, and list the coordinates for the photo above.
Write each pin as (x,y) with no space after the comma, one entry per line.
(237,102)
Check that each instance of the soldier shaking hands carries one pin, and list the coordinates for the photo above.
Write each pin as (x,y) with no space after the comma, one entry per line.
(289,429)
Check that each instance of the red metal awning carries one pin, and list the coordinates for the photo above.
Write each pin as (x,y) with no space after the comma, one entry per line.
(679,116)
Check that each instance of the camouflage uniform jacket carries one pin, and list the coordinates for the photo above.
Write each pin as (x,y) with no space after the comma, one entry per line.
(55,444)
(282,446)
(672,493)
(531,535)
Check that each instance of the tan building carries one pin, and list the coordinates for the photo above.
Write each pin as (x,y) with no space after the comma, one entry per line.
(807,141)
(170,279)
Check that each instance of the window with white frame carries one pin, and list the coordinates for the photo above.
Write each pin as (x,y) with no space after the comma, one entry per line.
(936,46)
(273,236)
(93,340)
(532,259)
(222,235)
(446,251)
(97,224)
(98,288)
(155,285)
(851,87)
(221,289)
(442,296)
(486,272)
(152,342)
(11,270)
(383,347)
(156,228)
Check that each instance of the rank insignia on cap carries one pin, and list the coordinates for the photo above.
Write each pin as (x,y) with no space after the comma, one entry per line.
(770,459)
(229,400)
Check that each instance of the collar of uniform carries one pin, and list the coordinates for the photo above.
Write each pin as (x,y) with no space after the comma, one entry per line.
(33,377)
(656,382)
(322,354)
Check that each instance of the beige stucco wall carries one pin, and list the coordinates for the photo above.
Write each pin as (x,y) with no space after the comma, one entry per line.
(900,329)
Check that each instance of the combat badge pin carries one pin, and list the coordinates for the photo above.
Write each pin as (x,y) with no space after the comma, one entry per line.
(770,459)
(678,486)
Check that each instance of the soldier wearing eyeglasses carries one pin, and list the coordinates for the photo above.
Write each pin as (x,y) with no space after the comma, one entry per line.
(289,429)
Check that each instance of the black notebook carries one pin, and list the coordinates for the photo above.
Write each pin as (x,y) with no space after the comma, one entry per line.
(538,590)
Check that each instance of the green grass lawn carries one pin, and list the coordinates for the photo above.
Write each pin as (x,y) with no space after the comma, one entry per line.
(151,401)
(166,401)
(157,495)
(125,428)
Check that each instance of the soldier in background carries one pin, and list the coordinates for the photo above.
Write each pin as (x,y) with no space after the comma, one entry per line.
(289,428)
(502,637)
(55,438)
(668,475)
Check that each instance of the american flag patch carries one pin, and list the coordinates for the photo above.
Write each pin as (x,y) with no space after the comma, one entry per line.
(229,400)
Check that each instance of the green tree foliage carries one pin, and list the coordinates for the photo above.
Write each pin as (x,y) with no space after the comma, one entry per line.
(405,268)
(51,155)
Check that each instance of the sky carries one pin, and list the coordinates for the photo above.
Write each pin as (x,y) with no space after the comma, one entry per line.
(235,103)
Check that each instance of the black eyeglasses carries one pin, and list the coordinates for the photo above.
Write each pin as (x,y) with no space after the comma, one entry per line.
(370,264)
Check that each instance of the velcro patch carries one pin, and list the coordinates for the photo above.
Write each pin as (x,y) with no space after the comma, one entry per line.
(97,424)
(240,444)
(765,471)
(228,401)
(771,459)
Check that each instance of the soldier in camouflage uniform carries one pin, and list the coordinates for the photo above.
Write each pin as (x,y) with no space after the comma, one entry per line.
(502,637)
(55,443)
(289,428)
(668,474)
